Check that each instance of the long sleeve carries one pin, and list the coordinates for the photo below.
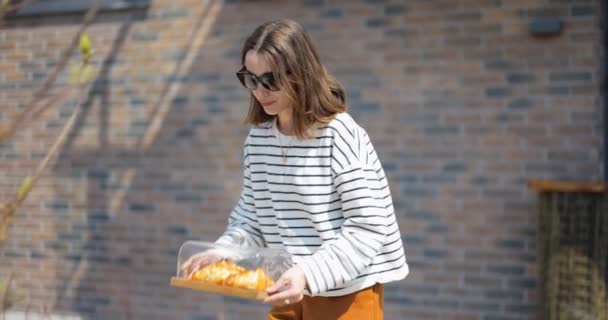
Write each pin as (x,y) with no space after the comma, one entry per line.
(325,201)
(368,213)
(243,228)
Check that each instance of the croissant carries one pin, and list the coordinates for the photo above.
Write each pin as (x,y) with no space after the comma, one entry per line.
(252,280)
(230,274)
(217,272)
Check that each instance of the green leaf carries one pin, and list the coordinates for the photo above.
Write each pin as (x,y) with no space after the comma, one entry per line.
(81,73)
(26,187)
(86,48)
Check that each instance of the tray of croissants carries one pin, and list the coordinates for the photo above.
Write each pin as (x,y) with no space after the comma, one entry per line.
(228,269)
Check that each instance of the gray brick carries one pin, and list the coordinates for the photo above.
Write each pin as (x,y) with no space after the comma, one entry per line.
(504,294)
(578,156)
(188,197)
(433,253)
(171,13)
(576,116)
(426,290)
(144,36)
(333,13)
(397,33)
(521,103)
(510,243)
(506,269)
(137,101)
(521,308)
(394,9)
(557,91)
(519,78)
(455,167)
(400,300)
(367,107)
(199,122)
(141,208)
(437,228)
(570,76)
(178,230)
(13,254)
(466,41)
(438,179)
(584,11)
(519,284)
(375,22)
(417,192)
(442,130)
(184,133)
(496,92)
(545,12)
(413,240)
(314,3)
(37,255)
(441,303)
(464,16)
(444,103)
(58,205)
(497,65)
(180,100)
(480,306)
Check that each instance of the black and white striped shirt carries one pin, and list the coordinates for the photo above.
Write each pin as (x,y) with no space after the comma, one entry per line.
(324,200)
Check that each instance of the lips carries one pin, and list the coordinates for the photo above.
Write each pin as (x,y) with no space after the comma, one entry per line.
(266,104)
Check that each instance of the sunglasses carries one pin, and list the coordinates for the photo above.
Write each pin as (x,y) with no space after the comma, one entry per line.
(251,81)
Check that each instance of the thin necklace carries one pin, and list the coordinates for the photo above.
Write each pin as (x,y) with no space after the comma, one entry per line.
(283,150)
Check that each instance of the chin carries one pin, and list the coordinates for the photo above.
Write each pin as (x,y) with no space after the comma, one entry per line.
(270,112)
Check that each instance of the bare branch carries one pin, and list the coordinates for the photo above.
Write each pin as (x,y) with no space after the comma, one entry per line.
(8,130)
(7,211)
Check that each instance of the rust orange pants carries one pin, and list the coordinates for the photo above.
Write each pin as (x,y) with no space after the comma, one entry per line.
(366,304)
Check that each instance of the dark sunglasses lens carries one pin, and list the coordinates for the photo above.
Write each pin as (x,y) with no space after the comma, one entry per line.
(250,82)
(268,82)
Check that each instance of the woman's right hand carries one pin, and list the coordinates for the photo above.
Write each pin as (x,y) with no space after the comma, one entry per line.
(198,261)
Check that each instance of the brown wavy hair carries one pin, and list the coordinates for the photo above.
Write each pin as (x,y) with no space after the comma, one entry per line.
(315,94)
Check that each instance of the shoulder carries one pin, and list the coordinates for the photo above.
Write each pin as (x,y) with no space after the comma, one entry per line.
(258,136)
(344,126)
(262,130)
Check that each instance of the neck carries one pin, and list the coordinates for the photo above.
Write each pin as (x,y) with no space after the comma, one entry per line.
(284,124)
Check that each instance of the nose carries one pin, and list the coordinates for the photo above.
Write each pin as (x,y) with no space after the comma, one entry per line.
(260,91)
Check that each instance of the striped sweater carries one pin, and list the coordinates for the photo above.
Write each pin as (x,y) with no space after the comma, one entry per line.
(326,201)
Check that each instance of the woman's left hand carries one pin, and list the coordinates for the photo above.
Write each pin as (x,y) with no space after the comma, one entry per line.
(288,289)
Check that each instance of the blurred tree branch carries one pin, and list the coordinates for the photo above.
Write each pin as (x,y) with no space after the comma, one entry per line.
(80,79)
(32,109)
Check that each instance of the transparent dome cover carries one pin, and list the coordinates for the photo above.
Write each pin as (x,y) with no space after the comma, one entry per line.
(230,270)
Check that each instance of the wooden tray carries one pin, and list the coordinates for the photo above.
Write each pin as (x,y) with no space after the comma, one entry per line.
(212,287)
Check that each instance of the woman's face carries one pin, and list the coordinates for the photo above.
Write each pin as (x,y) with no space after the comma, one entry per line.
(274,102)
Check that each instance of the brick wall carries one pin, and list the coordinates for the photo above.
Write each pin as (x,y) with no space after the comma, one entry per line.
(463,105)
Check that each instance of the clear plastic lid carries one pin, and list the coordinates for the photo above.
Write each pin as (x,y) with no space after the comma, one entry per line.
(232,270)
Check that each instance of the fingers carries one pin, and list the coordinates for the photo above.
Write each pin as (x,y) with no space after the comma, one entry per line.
(185,267)
(280,284)
(193,264)
(284,297)
(282,292)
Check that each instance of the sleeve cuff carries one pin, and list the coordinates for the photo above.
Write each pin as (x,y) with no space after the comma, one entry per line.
(306,266)
(224,240)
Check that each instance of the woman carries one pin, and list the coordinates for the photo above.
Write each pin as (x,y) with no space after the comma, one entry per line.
(313,185)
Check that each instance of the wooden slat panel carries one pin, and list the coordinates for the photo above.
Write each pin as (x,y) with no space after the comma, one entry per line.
(565,186)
